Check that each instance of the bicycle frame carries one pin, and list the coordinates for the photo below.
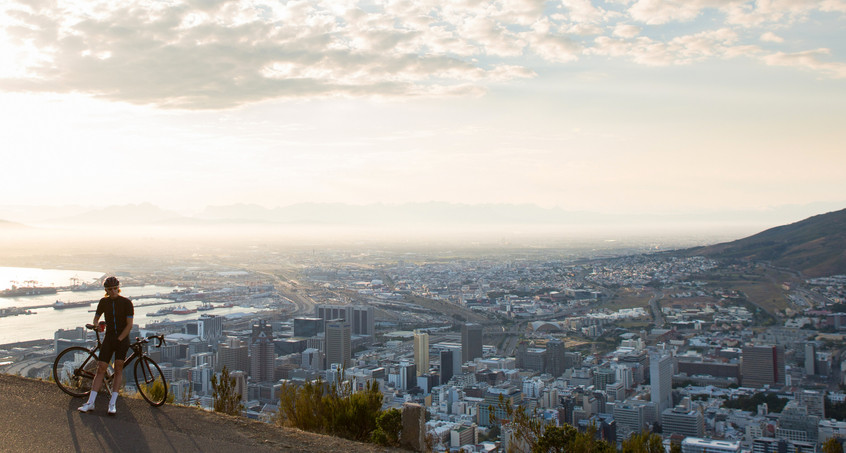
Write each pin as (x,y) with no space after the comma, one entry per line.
(137,353)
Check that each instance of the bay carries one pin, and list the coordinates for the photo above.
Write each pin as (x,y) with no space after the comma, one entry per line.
(45,321)
(27,276)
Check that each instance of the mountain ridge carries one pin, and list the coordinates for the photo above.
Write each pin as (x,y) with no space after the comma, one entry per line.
(815,246)
(417,213)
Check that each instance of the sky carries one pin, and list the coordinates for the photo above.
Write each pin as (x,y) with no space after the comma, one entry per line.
(619,106)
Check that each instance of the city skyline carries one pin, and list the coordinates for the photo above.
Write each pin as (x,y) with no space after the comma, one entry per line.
(639,106)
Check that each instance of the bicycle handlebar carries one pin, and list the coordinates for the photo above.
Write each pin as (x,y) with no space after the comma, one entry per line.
(159,337)
(138,340)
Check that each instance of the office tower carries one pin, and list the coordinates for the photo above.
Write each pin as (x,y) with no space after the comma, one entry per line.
(796,424)
(630,419)
(683,421)
(210,327)
(234,355)
(360,317)
(337,345)
(312,359)
(63,339)
(407,375)
(812,400)
(240,384)
(471,342)
(261,327)
(421,352)
(446,366)
(763,365)
(661,381)
(810,358)
(307,327)
(262,356)
(555,359)
(602,377)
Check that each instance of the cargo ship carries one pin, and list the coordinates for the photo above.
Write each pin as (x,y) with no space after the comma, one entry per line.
(184,311)
(59,305)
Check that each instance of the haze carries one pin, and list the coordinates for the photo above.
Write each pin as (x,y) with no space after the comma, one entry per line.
(629,107)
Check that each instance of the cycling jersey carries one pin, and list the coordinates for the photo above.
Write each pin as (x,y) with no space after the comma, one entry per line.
(116,311)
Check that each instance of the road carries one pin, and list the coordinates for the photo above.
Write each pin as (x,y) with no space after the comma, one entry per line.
(38,417)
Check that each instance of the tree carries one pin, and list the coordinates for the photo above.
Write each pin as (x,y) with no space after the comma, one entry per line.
(531,433)
(832,446)
(223,394)
(388,427)
(643,442)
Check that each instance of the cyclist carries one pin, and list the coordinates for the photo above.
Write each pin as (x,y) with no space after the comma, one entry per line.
(118,312)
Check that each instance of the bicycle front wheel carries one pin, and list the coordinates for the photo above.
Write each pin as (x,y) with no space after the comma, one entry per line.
(150,381)
(74,370)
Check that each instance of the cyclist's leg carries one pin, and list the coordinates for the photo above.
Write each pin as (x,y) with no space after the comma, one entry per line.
(98,378)
(120,355)
(118,379)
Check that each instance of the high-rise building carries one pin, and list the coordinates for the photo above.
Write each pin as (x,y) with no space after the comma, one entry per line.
(555,361)
(814,401)
(471,342)
(407,375)
(684,421)
(210,327)
(312,359)
(360,317)
(796,424)
(338,343)
(763,365)
(308,327)
(234,355)
(261,327)
(421,352)
(262,356)
(810,358)
(661,381)
(446,366)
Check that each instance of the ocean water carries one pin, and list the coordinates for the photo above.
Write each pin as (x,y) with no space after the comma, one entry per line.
(46,319)
(26,276)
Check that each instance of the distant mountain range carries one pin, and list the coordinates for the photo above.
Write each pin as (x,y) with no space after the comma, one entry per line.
(815,246)
(431,213)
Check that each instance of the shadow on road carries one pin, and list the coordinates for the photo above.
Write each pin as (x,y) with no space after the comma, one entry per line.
(116,433)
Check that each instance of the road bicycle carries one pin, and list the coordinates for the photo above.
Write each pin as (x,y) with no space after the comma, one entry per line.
(75,367)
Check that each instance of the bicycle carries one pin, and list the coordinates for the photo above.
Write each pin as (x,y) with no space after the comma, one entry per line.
(75,367)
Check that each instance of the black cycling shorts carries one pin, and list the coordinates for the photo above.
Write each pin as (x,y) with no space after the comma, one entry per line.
(113,346)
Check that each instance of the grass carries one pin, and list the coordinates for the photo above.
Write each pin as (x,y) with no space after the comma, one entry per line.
(628,298)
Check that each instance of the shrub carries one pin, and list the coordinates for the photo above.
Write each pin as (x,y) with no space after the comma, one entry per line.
(335,410)
(223,394)
(388,427)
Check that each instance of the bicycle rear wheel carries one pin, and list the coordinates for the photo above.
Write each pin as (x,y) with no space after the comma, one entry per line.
(150,381)
(74,370)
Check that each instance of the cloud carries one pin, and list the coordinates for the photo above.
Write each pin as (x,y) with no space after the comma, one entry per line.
(212,54)
(680,50)
(222,54)
(626,31)
(771,37)
(809,59)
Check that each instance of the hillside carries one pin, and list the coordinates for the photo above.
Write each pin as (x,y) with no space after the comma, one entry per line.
(38,417)
(815,246)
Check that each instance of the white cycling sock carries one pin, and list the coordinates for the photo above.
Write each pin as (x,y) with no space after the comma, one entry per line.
(114,398)
(92,397)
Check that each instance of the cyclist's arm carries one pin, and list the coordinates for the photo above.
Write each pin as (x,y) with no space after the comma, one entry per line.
(126,329)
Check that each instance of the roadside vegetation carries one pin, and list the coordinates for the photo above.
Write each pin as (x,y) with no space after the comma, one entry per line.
(338,411)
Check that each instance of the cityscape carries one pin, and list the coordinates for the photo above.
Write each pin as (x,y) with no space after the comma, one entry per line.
(463,226)
(709,353)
